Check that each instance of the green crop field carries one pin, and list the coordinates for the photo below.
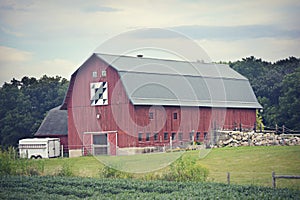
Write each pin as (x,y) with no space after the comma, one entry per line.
(54,187)
(247,165)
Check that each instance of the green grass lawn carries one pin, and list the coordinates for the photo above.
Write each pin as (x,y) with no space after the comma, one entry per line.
(141,163)
(254,165)
(247,165)
(87,166)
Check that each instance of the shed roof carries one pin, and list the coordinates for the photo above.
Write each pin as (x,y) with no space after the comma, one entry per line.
(150,81)
(55,123)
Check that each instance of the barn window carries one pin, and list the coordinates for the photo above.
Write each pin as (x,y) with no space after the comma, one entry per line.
(156,136)
(191,135)
(205,135)
(198,136)
(103,73)
(100,139)
(148,137)
(166,136)
(174,115)
(173,136)
(94,74)
(150,115)
(140,137)
(180,136)
(100,151)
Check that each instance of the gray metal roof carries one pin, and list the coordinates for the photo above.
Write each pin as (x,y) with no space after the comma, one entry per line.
(169,67)
(149,81)
(55,123)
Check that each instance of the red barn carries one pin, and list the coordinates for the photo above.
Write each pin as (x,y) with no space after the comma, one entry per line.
(117,103)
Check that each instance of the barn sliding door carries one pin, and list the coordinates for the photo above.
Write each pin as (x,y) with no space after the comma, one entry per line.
(100,144)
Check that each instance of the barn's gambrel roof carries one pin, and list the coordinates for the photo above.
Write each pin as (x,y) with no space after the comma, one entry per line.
(150,81)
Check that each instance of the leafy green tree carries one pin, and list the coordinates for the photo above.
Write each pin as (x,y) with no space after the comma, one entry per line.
(289,101)
(24,104)
(271,83)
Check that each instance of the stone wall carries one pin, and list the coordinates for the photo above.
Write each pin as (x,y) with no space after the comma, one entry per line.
(236,138)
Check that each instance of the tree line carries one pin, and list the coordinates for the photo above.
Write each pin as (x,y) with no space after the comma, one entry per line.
(24,103)
(277,87)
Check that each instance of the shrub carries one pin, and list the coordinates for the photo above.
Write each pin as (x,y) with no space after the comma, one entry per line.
(151,176)
(7,163)
(29,167)
(109,172)
(65,170)
(186,169)
(11,165)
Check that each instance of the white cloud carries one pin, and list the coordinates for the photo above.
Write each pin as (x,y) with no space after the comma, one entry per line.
(16,64)
(100,9)
(12,55)
(268,49)
(58,66)
(54,67)
(237,32)
(11,32)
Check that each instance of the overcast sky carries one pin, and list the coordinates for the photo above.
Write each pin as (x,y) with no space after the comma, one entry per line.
(56,37)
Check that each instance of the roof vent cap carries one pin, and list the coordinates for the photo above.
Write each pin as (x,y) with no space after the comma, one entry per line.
(200,61)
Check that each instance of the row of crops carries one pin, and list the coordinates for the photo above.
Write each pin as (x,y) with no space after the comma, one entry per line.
(39,187)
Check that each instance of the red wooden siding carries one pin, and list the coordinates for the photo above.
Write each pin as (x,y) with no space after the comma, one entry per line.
(111,137)
(87,143)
